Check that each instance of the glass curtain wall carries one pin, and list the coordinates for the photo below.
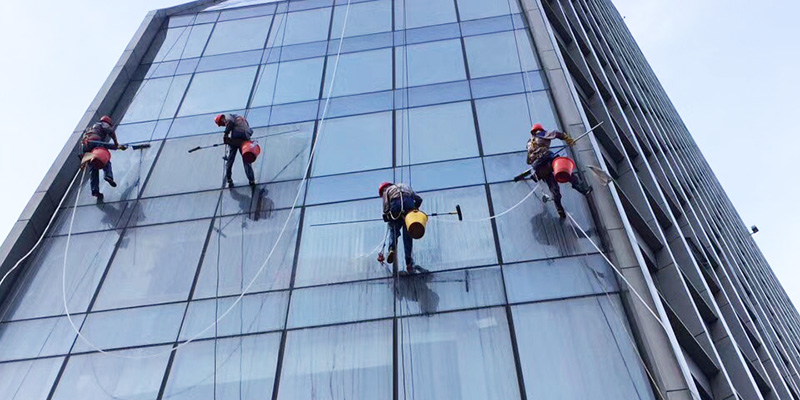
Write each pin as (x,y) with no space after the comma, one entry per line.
(438,94)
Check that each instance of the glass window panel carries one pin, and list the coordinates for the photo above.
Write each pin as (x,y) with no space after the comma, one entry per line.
(433,94)
(154,98)
(358,104)
(308,4)
(230,60)
(239,35)
(153,264)
(196,125)
(429,34)
(504,167)
(100,377)
(474,9)
(585,338)
(262,202)
(465,355)
(206,17)
(446,238)
(284,114)
(130,170)
(247,12)
(346,187)
(366,71)
(157,70)
(558,278)
(96,217)
(452,290)
(507,84)
(340,252)
(187,66)
(436,133)
(487,25)
(300,27)
(499,53)
(143,132)
(533,230)
(322,305)
(181,20)
(174,208)
(354,143)
(285,151)
(295,52)
(245,245)
(423,13)
(360,43)
(240,368)
(362,19)
(176,43)
(179,171)
(40,293)
(29,380)
(296,81)
(37,338)
(131,327)
(254,313)
(504,123)
(429,63)
(338,362)
(444,175)
(218,91)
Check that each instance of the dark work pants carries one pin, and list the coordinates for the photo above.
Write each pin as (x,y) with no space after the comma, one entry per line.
(395,226)
(544,172)
(248,169)
(94,174)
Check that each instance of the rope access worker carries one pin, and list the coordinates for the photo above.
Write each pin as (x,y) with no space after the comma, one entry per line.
(237,131)
(95,136)
(540,158)
(398,200)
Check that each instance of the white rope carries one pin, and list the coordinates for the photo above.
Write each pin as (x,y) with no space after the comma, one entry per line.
(271,252)
(519,203)
(44,233)
(618,272)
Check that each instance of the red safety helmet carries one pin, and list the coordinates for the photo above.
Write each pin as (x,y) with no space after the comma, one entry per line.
(383,187)
(220,120)
(537,127)
(106,119)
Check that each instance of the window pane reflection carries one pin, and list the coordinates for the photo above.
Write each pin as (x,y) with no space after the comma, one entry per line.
(452,290)
(255,313)
(354,143)
(154,98)
(363,19)
(218,91)
(288,82)
(29,380)
(37,338)
(435,133)
(559,278)
(239,35)
(322,305)
(86,262)
(300,27)
(237,250)
(240,368)
(429,63)
(131,327)
(499,53)
(559,341)
(465,355)
(505,122)
(474,9)
(423,13)
(366,71)
(153,264)
(338,362)
(101,377)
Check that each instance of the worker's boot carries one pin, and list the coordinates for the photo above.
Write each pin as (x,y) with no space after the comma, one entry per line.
(98,195)
(410,267)
(560,209)
(110,181)
(230,183)
(390,257)
(253,184)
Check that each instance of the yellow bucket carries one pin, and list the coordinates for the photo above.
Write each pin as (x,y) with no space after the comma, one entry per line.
(415,223)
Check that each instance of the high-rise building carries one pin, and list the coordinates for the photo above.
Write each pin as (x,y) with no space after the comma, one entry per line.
(181,288)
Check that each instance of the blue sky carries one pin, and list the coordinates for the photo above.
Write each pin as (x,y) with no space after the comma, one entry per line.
(730,67)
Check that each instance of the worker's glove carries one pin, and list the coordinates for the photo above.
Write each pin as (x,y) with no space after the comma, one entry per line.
(226,140)
(385,218)
(122,147)
(569,141)
(534,177)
